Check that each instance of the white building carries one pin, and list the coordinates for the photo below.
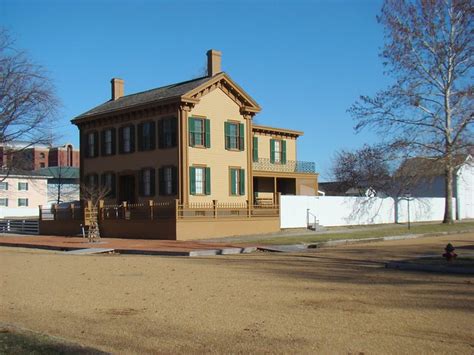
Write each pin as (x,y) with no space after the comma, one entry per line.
(21,194)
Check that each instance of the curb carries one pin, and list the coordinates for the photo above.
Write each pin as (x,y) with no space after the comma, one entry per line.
(403,265)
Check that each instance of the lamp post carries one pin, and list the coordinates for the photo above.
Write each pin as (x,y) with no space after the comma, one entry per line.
(408,196)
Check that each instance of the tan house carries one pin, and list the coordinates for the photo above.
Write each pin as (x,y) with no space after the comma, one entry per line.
(192,143)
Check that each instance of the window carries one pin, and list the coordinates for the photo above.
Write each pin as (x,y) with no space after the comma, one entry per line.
(92,181)
(199,132)
(4,185)
(108,142)
(4,202)
(92,144)
(234,135)
(22,186)
(200,180)
(255,149)
(167,132)
(22,202)
(127,139)
(168,180)
(277,151)
(147,182)
(42,155)
(42,165)
(108,181)
(237,181)
(146,136)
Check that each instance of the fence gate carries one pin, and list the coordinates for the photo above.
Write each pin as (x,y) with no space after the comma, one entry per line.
(19,226)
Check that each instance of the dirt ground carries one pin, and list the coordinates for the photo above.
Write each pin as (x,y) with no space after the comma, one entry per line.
(333,300)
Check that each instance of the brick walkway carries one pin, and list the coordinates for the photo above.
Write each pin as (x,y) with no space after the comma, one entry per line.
(125,246)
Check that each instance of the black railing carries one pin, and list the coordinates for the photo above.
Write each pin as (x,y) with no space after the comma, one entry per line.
(291,166)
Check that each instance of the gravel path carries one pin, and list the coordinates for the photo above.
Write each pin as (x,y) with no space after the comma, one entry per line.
(334,300)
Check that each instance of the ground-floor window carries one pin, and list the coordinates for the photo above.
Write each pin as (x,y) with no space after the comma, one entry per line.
(147,182)
(4,202)
(200,180)
(237,181)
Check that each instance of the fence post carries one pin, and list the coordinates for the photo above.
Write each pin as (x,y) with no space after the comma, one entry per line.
(214,207)
(101,211)
(124,207)
(55,211)
(150,203)
(72,211)
(176,208)
(40,214)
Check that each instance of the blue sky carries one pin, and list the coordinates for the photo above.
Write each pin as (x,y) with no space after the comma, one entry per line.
(304,62)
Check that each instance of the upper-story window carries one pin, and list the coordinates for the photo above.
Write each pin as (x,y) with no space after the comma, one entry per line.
(146,136)
(127,139)
(199,132)
(4,202)
(42,155)
(234,135)
(22,202)
(92,144)
(4,185)
(167,132)
(277,151)
(22,186)
(108,142)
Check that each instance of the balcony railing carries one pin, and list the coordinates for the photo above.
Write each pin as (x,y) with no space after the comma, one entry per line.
(291,166)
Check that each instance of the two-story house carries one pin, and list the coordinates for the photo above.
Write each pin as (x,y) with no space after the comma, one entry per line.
(192,142)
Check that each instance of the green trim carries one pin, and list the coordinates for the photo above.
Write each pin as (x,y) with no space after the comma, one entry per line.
(207,137)
(272,151)
(192,180)
(241,136)
(208,181)
(191,131)
(233,176)
(283,152)
(242,182)
(226,134)
(255,149)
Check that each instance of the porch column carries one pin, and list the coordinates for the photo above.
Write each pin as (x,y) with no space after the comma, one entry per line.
(250,199)
(183,147)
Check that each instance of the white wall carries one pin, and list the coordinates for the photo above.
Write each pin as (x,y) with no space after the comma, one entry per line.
(465,189)
(343,211)
(19,212)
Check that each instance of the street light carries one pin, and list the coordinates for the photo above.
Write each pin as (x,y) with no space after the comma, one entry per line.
(408,196)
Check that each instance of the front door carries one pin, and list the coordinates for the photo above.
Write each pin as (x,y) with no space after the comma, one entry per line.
(127,188)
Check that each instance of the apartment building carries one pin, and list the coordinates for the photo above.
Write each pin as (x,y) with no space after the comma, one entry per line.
(192,141)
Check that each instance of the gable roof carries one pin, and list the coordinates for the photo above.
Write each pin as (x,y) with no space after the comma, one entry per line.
(157,94)
(182,90)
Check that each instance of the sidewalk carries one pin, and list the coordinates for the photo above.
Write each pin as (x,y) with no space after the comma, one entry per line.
(125,246)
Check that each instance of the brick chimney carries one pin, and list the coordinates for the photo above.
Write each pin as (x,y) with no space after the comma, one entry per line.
(117,88)
(213,62)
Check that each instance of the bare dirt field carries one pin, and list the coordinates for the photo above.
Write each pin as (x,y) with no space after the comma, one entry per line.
(334,300)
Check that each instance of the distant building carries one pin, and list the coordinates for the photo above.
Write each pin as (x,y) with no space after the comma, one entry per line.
(26,157)
(21,194)
(63,183)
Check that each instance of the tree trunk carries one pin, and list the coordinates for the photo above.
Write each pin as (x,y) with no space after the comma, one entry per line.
(448,205)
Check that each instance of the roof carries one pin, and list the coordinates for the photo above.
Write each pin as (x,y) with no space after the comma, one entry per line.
(15,173)
(425,166)
(140,98)
(63,172)
(277,130)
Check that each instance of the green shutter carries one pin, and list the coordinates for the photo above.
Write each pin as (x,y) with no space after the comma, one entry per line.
(241,136)
(208,181)
(272,151)
(207,138)
(242,182)
(255,149)
(192,180)
(233,176)
(227,134)
(283,152)
(191,131)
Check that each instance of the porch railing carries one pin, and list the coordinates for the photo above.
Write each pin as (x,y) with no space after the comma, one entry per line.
(153,210)
(291,166)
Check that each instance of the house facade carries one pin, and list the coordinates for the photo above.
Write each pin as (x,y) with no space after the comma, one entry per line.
(191,143)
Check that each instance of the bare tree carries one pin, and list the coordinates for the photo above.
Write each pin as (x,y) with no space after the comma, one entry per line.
(94,193)
(428,111)
(27,100)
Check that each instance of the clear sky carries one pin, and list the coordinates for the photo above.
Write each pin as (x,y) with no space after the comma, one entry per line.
(304,62)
